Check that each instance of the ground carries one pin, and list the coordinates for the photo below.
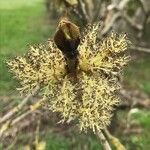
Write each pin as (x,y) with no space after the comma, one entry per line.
(24,23)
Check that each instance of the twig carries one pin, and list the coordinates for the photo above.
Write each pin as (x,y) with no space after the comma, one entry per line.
(122,4)
(21,117)
(33,108)
(132,23)
(97,12)
(133,99)
(84,13)
(11,123)
(115,11)
(17,108)
(115,141)
(36,142)
(110,22)
(103,141)
(141,49)
(143,6)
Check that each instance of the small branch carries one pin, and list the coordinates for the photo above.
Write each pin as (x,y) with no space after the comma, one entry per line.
(97,11)
(37,133)
(11,123)
(84,13)
(115,141)
(122,4)
(143,6)
(21,117)
(116,11)
(33,108)
(110,22)
(77,13)
(20,106)
(141,49)
(132,23)
(133,99)
(103,140)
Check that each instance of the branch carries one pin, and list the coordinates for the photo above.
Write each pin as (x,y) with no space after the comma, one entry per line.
(122,4)
(109,22)
(133,99)
(141,49)
(133,24)
(20,106)
(115,141)
(11,123)
(97,11)
(84,13)
(104,141)
(33,108)
(115,11)
(143,6)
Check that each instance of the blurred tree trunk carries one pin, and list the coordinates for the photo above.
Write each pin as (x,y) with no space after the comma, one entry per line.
(51,8)
(119,15)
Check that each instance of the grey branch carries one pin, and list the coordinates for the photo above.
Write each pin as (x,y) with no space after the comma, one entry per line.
(141,49)
(20,106)
(132,23)
(109,22)
(83,10)
(114,141)
(103,141)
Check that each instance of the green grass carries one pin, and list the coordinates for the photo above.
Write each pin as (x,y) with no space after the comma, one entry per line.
(21,23)
(69,141)
(75,142)
(134,140)
(9,4)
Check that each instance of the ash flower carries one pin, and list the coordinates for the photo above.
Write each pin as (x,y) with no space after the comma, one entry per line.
(88,99)
(40,65)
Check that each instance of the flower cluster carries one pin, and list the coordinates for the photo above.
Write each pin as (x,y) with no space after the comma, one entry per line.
(89,99)
(40,65)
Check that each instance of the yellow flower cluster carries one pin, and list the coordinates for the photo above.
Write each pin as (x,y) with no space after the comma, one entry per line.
(40,65)
(89,99)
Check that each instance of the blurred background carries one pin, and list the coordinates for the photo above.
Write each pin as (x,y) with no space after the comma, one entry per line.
(29,22)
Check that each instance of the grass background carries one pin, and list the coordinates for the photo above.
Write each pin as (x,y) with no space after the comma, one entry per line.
(24,22)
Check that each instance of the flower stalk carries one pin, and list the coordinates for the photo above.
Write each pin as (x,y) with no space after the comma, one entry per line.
(103,141)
